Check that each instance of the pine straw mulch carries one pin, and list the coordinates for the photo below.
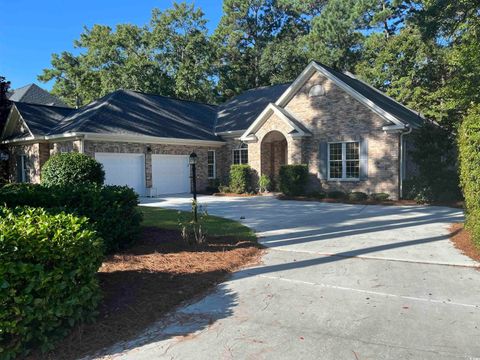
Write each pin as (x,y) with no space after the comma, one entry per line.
(148,280)
(403,202)
(462,240)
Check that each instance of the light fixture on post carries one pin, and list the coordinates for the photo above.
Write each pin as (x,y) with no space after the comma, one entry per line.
(193,177)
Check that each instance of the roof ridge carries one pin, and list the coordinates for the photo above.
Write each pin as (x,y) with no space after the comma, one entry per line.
(43,105)
(101,106)
(167,97)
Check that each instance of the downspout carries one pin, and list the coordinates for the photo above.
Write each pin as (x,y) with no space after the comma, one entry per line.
(402,160)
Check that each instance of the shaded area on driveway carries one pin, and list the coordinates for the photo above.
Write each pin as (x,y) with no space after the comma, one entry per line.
(338,282)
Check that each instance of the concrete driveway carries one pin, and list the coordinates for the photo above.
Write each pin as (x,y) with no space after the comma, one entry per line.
(338,282)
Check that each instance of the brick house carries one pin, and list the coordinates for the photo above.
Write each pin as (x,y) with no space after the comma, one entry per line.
(351,136)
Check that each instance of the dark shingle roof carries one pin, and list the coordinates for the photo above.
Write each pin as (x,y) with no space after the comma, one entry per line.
(132,113)
(240,112)
(380,99)
(41,119)
(34,94)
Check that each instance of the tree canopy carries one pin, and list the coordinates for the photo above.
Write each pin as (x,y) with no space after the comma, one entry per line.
(424,53)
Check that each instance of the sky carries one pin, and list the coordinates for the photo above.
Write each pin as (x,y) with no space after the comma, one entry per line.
(31,30)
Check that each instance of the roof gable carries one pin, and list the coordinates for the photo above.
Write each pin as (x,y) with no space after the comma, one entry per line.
(240,112)
(34,94)
(32,120)
(390,110)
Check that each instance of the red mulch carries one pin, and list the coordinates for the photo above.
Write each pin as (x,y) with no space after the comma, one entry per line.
(143,283)
(462,240)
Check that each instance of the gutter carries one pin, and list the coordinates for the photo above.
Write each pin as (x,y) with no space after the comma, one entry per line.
(402,159)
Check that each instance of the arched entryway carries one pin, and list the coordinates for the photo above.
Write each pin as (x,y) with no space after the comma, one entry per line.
(274,150)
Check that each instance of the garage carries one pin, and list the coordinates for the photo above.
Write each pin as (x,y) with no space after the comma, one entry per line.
(170,174)
(124,169)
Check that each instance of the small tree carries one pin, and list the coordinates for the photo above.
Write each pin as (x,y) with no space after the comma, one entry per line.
(240,178)
(72,168)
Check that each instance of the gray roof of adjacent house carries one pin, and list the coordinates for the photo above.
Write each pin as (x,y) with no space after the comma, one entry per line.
(34,94)
(40,119)
(128,112)
(241,111)
(380,99)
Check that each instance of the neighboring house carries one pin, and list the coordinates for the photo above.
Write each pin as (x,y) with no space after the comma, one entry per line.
(351,135)
(34,94)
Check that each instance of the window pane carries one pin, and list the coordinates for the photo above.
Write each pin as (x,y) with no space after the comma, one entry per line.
(211,171)
(244,156)
(335,169)
(236,156)
(352,169)
(353,151)
(335,151)
(211,157)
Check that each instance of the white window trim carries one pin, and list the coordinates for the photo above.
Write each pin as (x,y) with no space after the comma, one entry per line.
(241,148)
(344,161)
(214,164)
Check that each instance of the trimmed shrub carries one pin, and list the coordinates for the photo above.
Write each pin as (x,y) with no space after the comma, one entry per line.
(336,194)
(379,196)
(111,209)
(469,144)
(317,194)
(48,283)
(240,178)
(72,169)
(293,179)
(357,196)
(264,183)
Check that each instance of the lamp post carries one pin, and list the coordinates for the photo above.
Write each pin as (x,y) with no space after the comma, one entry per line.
(193,177)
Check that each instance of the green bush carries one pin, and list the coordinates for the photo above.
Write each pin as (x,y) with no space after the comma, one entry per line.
(357,196)
(317,194)
(336,194)
(379,196)
(293,179)
(434,153)
(48,283)
(469,145)
(240,178)
(72,169)
(111,209)
(264,183)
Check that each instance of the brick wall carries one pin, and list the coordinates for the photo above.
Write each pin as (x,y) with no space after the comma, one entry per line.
(91,147)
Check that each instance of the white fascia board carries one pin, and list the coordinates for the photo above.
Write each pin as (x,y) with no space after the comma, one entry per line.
(266,113)
(230,133)
(121,138)
(395,128)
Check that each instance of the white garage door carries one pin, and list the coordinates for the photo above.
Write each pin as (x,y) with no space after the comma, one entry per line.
(170,174)
(124,169)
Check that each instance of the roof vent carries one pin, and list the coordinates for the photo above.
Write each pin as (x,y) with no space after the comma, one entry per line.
(316,90)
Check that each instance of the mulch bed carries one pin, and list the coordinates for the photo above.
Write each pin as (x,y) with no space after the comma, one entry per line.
(462,240)
(143,283)
(458,204)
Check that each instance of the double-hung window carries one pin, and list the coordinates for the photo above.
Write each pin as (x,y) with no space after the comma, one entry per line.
(240,155)
(344,160)
(212,171)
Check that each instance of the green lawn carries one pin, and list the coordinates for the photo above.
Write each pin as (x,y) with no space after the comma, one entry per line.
(215,226)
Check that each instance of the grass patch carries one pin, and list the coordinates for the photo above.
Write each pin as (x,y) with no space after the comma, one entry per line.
(214,225)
